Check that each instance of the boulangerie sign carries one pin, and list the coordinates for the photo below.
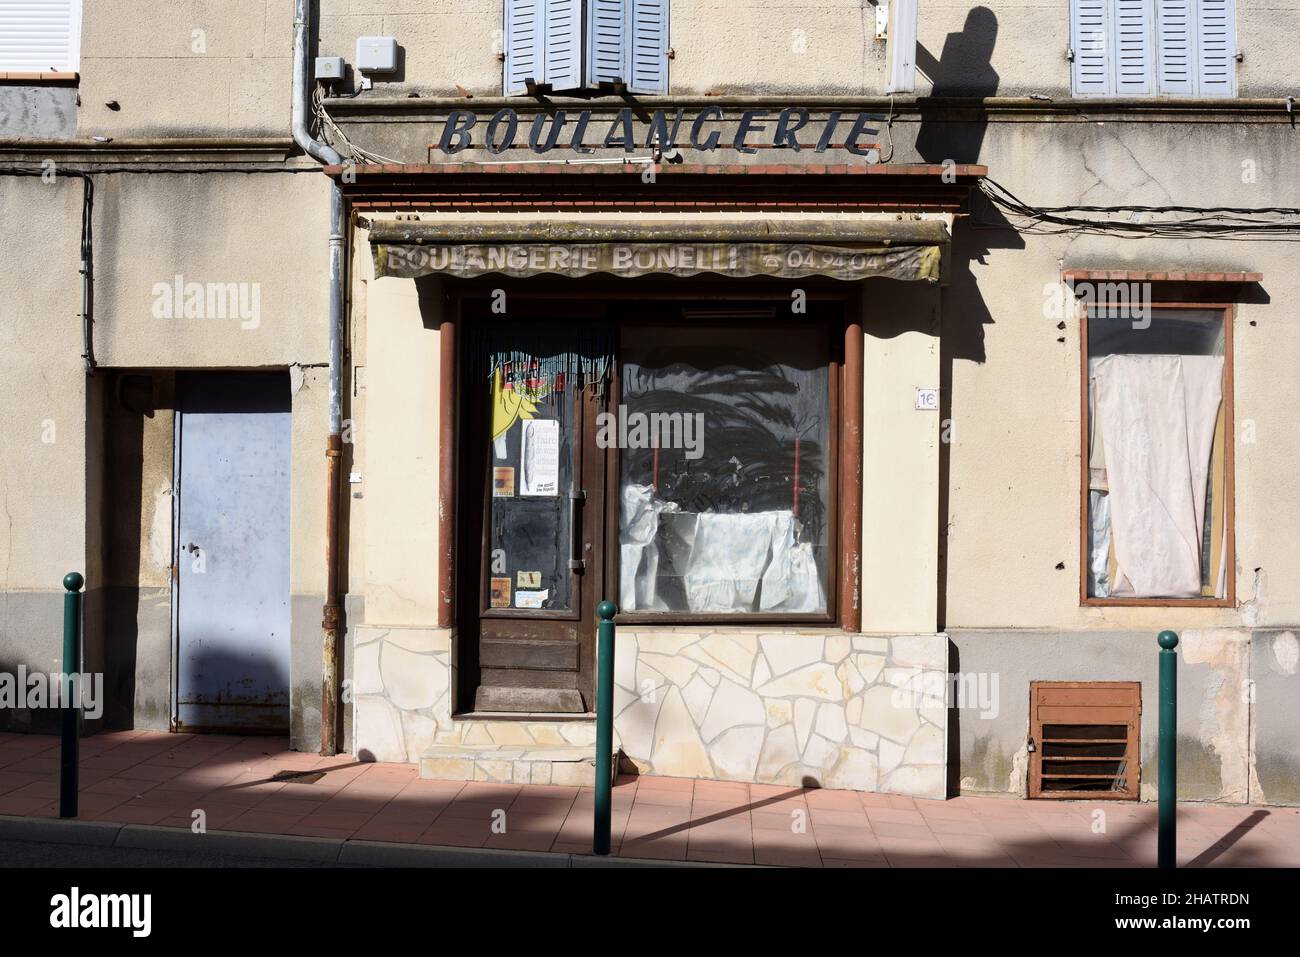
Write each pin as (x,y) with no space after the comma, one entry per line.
(738,260)
(706,129)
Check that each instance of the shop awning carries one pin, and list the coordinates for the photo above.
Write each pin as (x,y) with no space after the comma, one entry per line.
(845,249)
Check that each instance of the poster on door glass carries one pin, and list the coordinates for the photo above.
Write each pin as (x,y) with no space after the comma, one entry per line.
(539,457)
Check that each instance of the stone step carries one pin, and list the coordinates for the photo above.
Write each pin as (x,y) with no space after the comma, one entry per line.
(513,764)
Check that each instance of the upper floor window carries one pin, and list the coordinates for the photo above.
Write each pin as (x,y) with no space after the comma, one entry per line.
(1153,47)
(572,45)
(40,36)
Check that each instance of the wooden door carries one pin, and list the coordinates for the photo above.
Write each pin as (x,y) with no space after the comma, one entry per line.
(539,513)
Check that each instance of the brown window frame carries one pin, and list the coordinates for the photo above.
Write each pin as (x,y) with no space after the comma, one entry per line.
(836,385)
(846,360)
(1228,311)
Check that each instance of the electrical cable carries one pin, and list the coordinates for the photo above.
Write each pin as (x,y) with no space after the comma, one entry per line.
(1223,222)
(335,137)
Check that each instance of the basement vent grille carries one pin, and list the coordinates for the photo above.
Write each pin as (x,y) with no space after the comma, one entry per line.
(1083,738)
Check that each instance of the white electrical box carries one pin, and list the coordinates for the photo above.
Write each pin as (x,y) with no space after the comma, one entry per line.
(376,54)
(329,68)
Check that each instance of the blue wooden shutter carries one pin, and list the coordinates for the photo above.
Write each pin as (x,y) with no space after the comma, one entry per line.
(1090,31)
(1216,32)
(1176,47)
(564,44)
(524,35)
(543,44)
(647,59)
(607,27)
(1132,40)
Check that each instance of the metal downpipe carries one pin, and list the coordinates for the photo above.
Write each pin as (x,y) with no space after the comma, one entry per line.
(324,153)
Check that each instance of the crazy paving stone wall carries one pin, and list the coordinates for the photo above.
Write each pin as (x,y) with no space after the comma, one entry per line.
(401,691)
(864,712)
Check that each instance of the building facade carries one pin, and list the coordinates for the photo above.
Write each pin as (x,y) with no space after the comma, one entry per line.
(897,402)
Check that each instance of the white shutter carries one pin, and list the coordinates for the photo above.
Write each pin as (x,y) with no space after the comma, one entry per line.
(564,44)
(1090,32)
(1176,54)
(525,35)
(40,36)
(1132,36)
(607,28)
(900,47)
(647,68)
(1216,30)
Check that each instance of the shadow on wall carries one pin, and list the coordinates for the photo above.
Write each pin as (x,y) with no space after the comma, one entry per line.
(964,70)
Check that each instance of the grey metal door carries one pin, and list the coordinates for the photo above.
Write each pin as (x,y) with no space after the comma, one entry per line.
(231,602)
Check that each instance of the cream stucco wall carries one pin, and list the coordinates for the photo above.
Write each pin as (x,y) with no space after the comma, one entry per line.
(809,47)
(400,463)
(186,67)
(222,67)
(1014,505)
(264,233)
(900,461)
(43,451)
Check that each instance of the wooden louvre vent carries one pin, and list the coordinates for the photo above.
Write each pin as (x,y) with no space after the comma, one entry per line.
(1083,739)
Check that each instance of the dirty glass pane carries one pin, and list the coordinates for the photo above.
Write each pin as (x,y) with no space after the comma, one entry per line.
(724,493)
(531,475)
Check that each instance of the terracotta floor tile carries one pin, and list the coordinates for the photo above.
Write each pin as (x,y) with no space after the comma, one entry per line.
(456,834)
(656,783)
(669,797)
(907,831)
(837,818)
(833,800)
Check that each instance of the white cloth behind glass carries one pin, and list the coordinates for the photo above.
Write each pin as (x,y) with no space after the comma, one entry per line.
(1157,416)
(728,560)
(791,582)
(638,523)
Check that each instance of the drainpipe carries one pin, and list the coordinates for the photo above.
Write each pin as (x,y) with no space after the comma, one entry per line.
(326,154)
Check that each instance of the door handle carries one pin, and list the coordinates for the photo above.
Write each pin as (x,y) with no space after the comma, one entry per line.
(576,563)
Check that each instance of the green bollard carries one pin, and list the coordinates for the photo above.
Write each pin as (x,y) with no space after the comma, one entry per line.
(71,709)
(1167,843)
(604,725)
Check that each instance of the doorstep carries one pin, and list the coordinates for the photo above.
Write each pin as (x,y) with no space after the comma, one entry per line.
(514,748)
(513,764)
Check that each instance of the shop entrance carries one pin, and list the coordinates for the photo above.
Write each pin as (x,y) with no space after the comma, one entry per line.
(532,469)
(583,473)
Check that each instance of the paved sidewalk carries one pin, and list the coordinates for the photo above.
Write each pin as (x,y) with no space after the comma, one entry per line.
(151,778)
